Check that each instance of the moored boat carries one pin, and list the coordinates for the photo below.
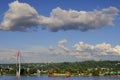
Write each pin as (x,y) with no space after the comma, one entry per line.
(64,75)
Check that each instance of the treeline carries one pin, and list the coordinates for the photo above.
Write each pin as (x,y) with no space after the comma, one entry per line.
(85,64)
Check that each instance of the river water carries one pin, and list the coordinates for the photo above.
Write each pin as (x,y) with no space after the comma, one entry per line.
(51,78)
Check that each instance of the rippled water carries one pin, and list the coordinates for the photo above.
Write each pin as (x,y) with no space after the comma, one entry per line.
(50,78)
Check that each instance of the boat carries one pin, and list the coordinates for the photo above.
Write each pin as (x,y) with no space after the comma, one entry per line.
(63,75)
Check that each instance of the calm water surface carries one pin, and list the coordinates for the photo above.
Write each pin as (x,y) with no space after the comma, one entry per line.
(50,78)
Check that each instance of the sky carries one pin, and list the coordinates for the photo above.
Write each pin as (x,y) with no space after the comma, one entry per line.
(59,30)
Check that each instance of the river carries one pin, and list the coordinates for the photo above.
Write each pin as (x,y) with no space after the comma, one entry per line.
(51,78)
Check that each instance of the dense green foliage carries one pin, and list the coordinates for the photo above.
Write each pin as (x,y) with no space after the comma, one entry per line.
(85,64)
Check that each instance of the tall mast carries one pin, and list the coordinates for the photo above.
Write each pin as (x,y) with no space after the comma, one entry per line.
(19,60)
(18,63)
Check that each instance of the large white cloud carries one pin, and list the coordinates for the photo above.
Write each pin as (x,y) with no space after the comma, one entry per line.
(79,20)
(21,17)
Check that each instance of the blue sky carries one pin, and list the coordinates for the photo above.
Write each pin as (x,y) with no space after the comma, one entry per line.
(65,37)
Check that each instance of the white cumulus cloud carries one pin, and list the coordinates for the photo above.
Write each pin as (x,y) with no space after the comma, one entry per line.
(22,17)
(102,49)
(79,20)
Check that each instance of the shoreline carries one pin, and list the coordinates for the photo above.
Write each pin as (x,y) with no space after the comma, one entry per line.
(61,77)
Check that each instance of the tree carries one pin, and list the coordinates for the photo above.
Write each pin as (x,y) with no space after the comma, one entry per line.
(95,72)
